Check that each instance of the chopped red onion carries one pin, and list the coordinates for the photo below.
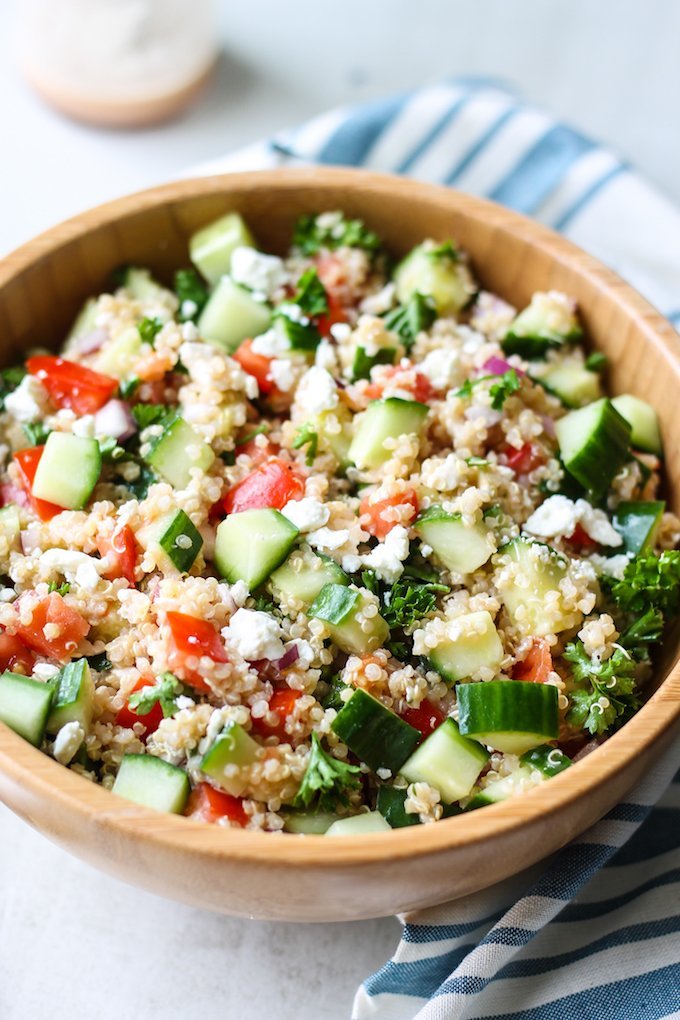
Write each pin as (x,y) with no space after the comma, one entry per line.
(499,366)
(90,342)
(292,655)
(115,419)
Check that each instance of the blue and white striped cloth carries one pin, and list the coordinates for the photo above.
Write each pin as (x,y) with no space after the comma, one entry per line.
(592,933)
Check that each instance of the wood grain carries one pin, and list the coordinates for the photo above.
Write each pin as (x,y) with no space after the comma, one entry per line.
(312,878)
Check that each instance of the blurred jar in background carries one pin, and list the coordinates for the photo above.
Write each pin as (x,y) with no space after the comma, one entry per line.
(117,62)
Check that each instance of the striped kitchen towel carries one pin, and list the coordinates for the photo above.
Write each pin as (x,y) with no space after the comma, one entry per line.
(592,933)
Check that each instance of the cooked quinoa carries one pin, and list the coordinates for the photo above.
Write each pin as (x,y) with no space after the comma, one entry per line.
(322,542)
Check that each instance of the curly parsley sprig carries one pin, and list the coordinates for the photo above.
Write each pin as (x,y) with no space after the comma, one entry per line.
(605,694)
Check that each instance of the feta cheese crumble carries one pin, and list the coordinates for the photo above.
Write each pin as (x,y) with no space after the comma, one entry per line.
(28,402)
(254,635)
(264,274)
(306,514)
(67,742)
(559,516)
(77,567)
(386,559)
(316,392)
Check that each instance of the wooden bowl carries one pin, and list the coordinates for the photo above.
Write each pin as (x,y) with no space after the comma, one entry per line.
(312,878)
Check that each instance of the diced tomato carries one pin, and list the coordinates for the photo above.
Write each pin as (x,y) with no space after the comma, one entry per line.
(414,382)
(381,523)
(581,539)
(524,460)
(282,702)
(121,550)
(65,628)
(72,385)
(332,273)
(256,365)
(271,485)
(258,452)
(425,718)
(209,805)
(27,461)
(127,716)
(335,314)
(192,638)
(14,655)
(537,666)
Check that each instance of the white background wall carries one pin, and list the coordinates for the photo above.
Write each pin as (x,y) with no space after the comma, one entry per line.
(74,942)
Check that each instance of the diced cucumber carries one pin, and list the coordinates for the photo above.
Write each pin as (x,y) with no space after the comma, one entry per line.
(118,357)
(473,644)
(549,321)
(638,524)
(233,750)
(334,431)
(390,804)
(363,362)
(573,384)
(434,270)
(25,705)
(373,733)
(548,760)
(10,530)
(85,321)
(594,444)
(645,432)
(68,470)
(359,825)
(448,761)
(231,315)
(509,715)
(153,783)
(304,574)
(500,789)
(211,247)
(178,451)
(140,284)
(526,571)
(251,544)
(309,823)
(384,419)
(460,548)
(340,608)
(179,538)
(73,699)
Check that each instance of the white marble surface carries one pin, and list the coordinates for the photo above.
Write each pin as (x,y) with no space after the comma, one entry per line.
(74,942)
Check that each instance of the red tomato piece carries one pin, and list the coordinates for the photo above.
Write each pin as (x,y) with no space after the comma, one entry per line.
(65,628)
(257,453)
(425,718)
(27,461)
(72,385)
(537,666)
(416,383)
(524,460)
(127,716)
(580,538)
(192,638)
(14,655)
(207,804)
(256,365)
(271,485)
(335,314)
(121,550)
(282,702)
(380,523)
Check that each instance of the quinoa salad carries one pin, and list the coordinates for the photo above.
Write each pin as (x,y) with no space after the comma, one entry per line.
(328,542)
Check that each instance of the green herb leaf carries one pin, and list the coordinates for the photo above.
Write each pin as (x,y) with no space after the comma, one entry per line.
(476,462)
(128,386)
(305,435)
(139,486)
(502,387)
(310,235)
(301,335)
(326,781)
(149,329)
(152,414)
(650,582)
(99,663)
(164,692)
(399,649)
(228,457)
(9,380)
(331,698)
(643,632)
(446,250)
(189,287)
(369,581)
(59,589)
(605,694)
(311,294)
(410,319)
(596,362)
(406,602)
(36,432)
(263,604)
(110,450)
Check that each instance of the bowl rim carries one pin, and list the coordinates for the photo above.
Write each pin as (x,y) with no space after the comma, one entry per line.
(43,777)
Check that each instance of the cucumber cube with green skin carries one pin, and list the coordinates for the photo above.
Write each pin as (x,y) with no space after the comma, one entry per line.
(119,356)
(638,524)
(73,699)
(24,706)
(340,608)
(546,759)
(140,284)
(178,451)
(526,571)
(472,643)
(231,315)
(85,321)
(461,548)
(540,326)
(179,539)
(375,734)
(434,270)
(512,716)
(594,444)
(363,362)
(251,544)
(309,823)
(359,825)
(68,470)
(448,761)
(153,783)
(211,247)
(304,574)
(334,431)
(501,789)
(645,432)
(574,385)
(233,750)
(10,530)
(390,803)
(384,419)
